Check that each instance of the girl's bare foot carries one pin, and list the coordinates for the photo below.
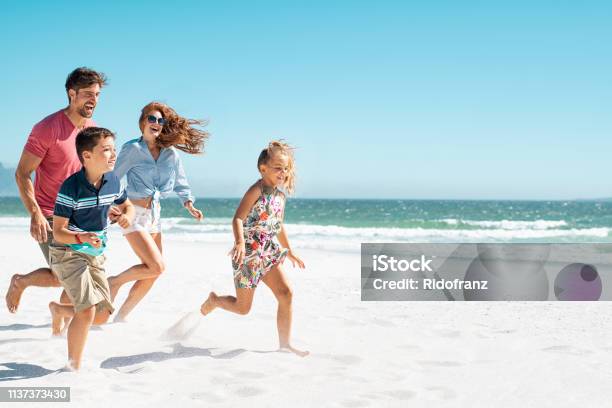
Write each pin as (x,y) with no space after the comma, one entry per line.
(290,349)
(56,319)
(210,304)
(13,294)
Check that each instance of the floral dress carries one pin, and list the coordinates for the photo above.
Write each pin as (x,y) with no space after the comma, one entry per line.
(263,251)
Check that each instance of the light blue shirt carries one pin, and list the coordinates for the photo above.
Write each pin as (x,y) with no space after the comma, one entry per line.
(147,177)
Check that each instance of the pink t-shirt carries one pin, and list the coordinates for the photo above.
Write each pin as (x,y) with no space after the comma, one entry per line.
(53,140)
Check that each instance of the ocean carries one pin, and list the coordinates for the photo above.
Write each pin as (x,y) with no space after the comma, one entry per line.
(342,224)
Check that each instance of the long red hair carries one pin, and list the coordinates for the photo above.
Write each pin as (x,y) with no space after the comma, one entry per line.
(178,131)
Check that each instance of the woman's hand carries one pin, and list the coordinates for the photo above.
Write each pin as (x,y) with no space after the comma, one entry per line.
(295,260)
(123,221)
(195,213)
(238,252)
(117,216)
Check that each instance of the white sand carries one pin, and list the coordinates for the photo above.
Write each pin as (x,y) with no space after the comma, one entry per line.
(363,354)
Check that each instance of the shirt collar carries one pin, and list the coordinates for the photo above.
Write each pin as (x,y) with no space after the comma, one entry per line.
(83,180)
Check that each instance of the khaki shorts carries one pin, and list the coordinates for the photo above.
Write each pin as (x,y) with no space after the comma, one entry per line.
(82,276)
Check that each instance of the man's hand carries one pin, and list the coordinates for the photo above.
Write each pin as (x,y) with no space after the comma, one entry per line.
(39,227)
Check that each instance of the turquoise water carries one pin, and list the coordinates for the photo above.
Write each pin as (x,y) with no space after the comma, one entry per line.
(398,213)
(317,222)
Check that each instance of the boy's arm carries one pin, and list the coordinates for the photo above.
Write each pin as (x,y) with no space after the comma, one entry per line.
(62,235)
(127,213)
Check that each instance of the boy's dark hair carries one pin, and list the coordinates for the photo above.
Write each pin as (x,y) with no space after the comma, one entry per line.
(88,138)
(84,77)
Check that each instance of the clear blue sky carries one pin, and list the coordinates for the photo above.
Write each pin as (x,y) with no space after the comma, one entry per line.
(439,99)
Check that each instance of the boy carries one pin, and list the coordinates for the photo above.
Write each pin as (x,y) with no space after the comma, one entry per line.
(80,220)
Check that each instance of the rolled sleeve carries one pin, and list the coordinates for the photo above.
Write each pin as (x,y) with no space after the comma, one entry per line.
(181,186)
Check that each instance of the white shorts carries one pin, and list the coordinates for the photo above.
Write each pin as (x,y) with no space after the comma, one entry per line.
(145,220)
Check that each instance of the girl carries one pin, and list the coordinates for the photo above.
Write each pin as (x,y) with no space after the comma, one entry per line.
(154,170)
(261,243)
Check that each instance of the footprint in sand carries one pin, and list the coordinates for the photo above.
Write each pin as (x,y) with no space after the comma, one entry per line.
(439,363)
(355,403)
(248,391)
(442,392)
(566,349)
(346,359)
(448,333)
(402,395)
(410,347)
(247,374)
(208,397)
(382,323)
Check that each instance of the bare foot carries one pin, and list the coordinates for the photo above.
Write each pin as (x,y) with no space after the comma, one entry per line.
(114,288)
(13,294)
(290,349)
(210,304)
(56,319)
(119,319)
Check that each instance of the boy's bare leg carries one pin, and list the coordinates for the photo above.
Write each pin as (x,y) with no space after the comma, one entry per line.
(276,281)
(65,312)
(41,277)
(64,299)
(77,335)
(148,248)
(59,312)
(240,304)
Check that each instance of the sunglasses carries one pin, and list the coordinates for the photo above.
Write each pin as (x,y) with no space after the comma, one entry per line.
(153,119)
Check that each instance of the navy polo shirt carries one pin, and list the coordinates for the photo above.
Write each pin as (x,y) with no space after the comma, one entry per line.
(85,206)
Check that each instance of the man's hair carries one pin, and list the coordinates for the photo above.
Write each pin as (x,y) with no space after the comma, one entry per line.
(89,138)
(84,77)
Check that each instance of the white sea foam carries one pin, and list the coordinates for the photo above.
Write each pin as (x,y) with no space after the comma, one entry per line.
(508,224)
(337,238)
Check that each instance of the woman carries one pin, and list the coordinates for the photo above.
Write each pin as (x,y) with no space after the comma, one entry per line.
(153,170)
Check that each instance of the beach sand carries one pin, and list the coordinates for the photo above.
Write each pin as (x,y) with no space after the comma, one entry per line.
(379,354)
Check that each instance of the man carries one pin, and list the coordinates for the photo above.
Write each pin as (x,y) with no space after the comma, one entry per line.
(50,153)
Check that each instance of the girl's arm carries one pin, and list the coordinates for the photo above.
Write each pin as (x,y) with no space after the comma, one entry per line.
(247,202)
(62,235)
(282,238)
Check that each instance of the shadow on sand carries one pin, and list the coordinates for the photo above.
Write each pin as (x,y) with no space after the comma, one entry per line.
(178,351)
(19,326)
(21,371)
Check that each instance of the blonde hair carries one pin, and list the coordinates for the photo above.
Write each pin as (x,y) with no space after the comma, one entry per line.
(276,147)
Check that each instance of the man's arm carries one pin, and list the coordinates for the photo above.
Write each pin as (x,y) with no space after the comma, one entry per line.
(28,163)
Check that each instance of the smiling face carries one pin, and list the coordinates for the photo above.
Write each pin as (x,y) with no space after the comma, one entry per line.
(84,100)
(151,128)
(102,158)
(275,171)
